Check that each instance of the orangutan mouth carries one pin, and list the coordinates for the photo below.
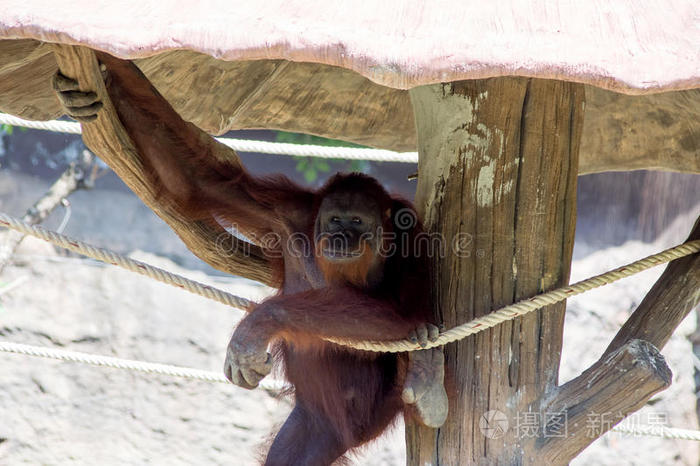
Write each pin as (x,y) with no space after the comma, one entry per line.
(336,254)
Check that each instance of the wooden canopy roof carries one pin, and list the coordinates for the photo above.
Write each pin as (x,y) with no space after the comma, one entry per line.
(341,69)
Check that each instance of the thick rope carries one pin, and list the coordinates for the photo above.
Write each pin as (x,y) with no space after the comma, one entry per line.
(659,431)
(215,377)
(127,263)
(526,306)
(247,145)
(477,325)
(126,364)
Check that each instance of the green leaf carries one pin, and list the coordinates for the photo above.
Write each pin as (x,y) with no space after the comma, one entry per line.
(359,166)
(310,175)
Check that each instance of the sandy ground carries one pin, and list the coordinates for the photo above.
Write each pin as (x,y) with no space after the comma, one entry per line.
(63,413)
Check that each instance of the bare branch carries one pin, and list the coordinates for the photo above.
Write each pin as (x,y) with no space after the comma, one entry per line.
(79,175)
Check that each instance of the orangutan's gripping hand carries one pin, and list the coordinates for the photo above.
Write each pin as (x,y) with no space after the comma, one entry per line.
(424,333)
(82,106)
(247,361)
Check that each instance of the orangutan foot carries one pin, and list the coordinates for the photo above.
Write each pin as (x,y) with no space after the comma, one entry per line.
(425,388)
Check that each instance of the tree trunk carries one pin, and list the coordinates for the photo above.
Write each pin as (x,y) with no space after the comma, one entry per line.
(497,180)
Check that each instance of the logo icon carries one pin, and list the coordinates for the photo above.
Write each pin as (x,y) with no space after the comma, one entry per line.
(493,424)
(405,219)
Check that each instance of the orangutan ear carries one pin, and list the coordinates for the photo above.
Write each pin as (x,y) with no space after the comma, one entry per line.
(387,214)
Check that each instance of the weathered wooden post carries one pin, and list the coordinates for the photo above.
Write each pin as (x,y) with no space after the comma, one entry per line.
(497,179)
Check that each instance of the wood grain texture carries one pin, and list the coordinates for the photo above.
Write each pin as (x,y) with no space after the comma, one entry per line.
(498,167)
(277,94)
(108,139)
(620,132)
(654,132)
(26,68)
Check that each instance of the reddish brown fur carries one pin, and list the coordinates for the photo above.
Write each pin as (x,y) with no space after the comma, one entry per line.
(344,397)
(354,273)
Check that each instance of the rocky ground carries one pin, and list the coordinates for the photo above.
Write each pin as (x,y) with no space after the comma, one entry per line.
(64,413)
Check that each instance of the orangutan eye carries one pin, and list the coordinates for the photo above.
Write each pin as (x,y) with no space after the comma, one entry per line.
(335,219)
(356,220)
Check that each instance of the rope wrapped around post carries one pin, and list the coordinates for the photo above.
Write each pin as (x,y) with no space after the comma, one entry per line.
(460,332)
(526,306)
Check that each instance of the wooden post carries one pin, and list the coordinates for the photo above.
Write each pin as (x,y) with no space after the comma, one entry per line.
(497,179)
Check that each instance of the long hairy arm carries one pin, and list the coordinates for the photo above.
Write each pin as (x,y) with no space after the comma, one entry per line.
(337,312)
(197,175)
